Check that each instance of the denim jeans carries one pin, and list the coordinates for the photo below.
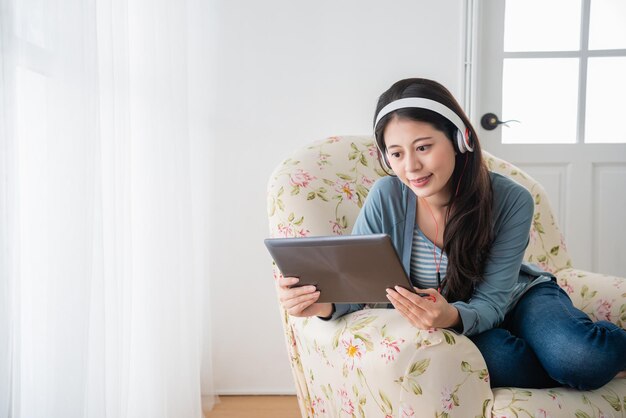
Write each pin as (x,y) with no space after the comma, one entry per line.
(546,342)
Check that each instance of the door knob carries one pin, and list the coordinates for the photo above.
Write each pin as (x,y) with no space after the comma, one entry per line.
(490,121)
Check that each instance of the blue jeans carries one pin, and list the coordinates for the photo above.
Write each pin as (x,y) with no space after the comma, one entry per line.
(546,342)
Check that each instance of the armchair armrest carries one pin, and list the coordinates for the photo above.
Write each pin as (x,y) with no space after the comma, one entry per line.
(600,296)
(374,363)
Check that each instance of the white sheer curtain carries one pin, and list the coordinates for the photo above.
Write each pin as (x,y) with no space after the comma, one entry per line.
(104,191)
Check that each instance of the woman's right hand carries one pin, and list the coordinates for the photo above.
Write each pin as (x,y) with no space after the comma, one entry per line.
(300,301)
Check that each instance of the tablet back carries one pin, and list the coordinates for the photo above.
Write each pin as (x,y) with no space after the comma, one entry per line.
(346,269)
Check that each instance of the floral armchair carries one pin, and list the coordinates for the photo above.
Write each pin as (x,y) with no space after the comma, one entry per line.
(372,363)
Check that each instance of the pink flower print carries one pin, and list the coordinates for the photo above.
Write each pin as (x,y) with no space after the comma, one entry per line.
(390,349)
(568,288)
(372,150)
(446,399)
(486,376)
(317,406)
(406,411)
(301,178)
(346,404)
(534,236)
(337,229)
(285,230)
(353,350)
(366,181)
(346,190)
(603,309)
(333,139)
(541,413)
(555,399)
(288,230)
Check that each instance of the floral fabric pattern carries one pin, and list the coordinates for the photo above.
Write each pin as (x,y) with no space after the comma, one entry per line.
(608,401)
(372,363)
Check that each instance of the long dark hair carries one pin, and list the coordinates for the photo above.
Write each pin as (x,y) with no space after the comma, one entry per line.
(468,231)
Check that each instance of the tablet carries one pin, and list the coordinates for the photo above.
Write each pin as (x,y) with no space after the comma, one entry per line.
(345,269)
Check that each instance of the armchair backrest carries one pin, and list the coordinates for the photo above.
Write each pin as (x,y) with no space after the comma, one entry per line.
(321,187)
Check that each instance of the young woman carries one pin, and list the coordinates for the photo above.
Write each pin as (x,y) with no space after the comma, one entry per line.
(462,232)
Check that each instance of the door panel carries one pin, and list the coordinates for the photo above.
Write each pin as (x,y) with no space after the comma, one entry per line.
(586,182)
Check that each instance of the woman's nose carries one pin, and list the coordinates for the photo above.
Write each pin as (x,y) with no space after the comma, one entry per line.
(413,163)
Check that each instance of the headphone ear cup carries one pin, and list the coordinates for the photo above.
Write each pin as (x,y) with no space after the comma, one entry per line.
(463,141)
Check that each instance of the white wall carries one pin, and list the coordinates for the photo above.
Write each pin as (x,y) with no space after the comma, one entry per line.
(286,73)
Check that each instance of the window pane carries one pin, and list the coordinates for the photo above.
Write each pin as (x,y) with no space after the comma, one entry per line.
(606,89)
(543,95)
(607,27)
(539,25)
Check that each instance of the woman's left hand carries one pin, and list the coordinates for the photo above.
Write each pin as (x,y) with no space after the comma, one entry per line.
(429,311)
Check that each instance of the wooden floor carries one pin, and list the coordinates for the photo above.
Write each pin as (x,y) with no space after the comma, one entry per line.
(255,407)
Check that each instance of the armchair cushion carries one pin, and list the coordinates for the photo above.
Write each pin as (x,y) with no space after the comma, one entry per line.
(600,296)
(608,401)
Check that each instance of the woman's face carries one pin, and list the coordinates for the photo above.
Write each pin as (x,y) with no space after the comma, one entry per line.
(422,157)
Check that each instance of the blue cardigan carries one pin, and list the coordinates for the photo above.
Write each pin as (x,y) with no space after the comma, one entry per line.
(391,207)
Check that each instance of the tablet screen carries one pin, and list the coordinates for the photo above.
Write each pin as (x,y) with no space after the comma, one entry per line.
(345,269)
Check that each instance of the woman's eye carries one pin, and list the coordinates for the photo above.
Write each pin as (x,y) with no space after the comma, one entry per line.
(423,147)
(395,154)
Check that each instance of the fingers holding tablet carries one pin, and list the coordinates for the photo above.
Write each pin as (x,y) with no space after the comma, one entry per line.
(300,300)
(424,309)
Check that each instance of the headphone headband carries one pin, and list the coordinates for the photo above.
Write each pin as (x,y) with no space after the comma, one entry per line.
(463,133)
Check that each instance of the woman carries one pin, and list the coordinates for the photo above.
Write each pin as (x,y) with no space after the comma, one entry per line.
(463,231)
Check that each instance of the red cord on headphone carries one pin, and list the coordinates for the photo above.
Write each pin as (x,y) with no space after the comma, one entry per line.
(438,264)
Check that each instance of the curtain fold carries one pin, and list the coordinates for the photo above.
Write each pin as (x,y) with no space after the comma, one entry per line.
(104,191)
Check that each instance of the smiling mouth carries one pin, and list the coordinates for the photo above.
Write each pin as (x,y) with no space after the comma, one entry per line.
(420,181)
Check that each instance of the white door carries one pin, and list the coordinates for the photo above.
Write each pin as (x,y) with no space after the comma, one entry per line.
(559,67)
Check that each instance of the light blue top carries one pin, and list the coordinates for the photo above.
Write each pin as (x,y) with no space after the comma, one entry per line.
(390,208)
(423,264)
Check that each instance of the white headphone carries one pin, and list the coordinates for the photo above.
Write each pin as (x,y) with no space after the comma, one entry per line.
(463,135)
